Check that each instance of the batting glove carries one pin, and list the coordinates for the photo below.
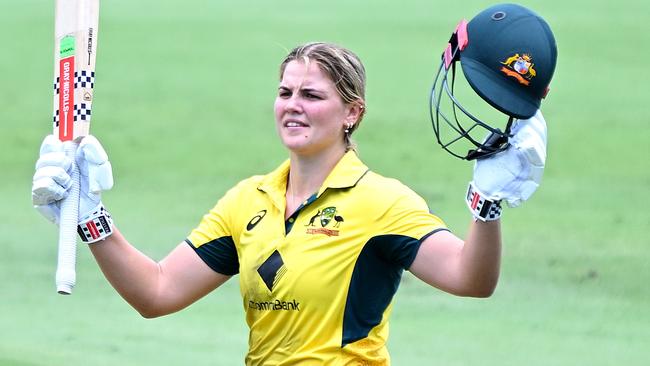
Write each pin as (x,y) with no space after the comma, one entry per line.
(512,175)
(52,180)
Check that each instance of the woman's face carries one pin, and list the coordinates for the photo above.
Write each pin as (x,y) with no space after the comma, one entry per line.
(309,113)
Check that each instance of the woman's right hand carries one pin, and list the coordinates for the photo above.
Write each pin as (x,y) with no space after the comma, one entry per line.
(51,182)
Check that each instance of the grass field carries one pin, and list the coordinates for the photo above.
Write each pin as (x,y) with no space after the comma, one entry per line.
(184,95)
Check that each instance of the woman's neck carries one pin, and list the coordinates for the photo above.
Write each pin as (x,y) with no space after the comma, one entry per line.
(306,176)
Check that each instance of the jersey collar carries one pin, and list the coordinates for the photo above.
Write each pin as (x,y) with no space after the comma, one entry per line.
(347,173)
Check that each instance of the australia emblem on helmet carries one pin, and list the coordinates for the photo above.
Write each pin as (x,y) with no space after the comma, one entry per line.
(520,67)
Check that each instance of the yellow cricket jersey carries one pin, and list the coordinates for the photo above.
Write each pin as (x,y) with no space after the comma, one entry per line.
(317,288)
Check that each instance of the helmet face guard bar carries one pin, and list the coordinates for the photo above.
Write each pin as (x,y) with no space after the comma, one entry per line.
(496,140)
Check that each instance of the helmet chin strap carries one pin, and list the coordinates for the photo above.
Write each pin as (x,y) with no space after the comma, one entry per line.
(496,142)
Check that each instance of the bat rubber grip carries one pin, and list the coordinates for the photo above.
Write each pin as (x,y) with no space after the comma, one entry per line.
(65,271)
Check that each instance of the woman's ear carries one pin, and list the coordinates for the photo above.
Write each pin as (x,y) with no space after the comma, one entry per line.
(355,113)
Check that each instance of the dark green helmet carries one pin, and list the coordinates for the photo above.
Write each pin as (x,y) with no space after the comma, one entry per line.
(508,55)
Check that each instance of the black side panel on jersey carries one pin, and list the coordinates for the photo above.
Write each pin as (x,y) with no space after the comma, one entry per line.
(374,281)
(219,254)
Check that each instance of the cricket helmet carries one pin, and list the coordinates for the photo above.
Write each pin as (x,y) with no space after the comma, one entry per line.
(508,55)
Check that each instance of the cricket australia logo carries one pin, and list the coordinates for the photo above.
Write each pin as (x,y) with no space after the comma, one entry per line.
(520,67)
(325,217)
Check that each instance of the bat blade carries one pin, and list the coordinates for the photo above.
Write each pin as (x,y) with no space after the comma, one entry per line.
(75,46)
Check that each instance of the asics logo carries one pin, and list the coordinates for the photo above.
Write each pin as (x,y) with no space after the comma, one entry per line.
(255,220)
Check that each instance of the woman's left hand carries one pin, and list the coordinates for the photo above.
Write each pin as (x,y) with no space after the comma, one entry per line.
(513,175)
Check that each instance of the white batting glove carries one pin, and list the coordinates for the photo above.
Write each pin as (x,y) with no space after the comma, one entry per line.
(512,175)
(52,181)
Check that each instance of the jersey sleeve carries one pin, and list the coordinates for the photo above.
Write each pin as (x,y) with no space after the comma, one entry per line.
(407,222)
(213,240)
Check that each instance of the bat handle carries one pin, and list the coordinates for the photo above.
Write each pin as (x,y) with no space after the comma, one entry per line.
(65,271)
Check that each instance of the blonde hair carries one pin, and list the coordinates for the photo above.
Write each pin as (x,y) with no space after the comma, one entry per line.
(343,67)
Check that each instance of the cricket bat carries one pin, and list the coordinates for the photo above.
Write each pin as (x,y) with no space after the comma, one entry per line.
(75,47)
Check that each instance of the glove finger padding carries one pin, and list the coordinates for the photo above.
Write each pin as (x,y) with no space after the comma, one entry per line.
(94,165)
(47,188)
(51,180)
(54,158)
(514,174)
(529,136)
(50,144)
(530,140)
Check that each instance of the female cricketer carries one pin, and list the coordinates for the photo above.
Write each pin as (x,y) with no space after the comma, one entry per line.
(320,243)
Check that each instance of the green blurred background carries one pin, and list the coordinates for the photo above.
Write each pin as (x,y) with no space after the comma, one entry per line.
(184,95)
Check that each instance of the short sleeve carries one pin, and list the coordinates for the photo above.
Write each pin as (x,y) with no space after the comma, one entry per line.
(406,224)
(409,215)
(213,240)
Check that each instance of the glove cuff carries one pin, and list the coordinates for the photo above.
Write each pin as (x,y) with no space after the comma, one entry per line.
(96,226)
(482,208)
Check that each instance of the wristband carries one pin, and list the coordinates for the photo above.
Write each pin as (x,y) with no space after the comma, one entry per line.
(482,208)
(96,226)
